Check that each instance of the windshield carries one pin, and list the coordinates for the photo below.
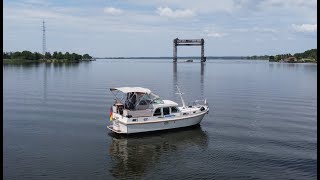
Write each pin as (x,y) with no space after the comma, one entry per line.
(151,99)
(155,99)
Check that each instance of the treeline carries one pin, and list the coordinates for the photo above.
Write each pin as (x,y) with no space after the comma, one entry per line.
(309,54)
(265,57)
(27,55)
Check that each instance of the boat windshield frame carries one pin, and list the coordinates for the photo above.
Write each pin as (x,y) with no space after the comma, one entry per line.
(127,97)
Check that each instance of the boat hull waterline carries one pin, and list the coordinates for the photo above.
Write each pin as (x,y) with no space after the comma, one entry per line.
(157,125)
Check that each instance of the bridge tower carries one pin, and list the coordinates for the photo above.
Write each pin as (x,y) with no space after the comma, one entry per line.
(188,42)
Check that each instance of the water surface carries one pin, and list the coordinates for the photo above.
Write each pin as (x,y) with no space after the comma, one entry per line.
(261,125)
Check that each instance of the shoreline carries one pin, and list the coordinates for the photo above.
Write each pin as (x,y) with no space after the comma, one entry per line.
(23,61)
(293,62)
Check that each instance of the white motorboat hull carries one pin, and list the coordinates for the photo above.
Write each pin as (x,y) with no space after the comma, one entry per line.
(156,125)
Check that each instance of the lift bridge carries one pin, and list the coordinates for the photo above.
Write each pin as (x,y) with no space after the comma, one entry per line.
(188,42)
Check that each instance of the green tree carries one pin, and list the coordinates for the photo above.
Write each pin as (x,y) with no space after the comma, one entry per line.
(60,55)
(55,54)
(37,56)
(79,57)
(27,55)
(312,53)
(67,56)
(86,56)
(6,55)
(298,55)
(271,58)
(47,55)
(16,55)
(73,56)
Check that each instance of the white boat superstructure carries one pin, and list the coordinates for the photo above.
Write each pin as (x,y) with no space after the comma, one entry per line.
(140,110)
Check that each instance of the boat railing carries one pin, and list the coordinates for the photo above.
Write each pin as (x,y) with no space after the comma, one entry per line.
(197,103)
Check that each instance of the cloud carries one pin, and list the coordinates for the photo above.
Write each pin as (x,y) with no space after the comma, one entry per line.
(267,30)
(201,7)
(216,35)
(179,13)
(112,11)
(305,27)
(211,33)
(36,2)
(256,29)
(289,3)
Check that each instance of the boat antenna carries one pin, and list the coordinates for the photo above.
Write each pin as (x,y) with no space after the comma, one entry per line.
(180,94)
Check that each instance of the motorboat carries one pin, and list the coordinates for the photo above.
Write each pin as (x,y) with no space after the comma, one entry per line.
(189,60)
(140,110)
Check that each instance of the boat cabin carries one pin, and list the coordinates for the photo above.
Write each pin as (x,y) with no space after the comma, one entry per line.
(141,102)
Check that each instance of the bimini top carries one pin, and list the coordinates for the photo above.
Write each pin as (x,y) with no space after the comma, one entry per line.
(132,89)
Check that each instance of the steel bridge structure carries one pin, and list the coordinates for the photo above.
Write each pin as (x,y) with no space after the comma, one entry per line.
(188,42)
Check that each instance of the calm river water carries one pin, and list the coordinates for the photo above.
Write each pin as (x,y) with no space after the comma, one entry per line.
(262,122)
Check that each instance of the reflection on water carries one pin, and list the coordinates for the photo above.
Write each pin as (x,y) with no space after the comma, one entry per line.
(192,74)
(175,76)
(22,65)
(135,154)
(202,78)
(47,67)
(67,67)
(292,66)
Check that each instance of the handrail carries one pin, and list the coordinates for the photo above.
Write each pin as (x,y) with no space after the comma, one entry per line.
(198,102)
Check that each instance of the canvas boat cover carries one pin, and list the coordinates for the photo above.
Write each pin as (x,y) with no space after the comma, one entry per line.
(132,89)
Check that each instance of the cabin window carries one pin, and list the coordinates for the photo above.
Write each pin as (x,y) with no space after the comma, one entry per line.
(166,111)
(174,110)
(157,112)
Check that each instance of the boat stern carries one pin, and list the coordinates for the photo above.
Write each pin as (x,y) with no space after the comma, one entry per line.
(115,129)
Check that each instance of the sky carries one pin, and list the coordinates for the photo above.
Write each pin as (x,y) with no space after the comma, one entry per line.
(122,28)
